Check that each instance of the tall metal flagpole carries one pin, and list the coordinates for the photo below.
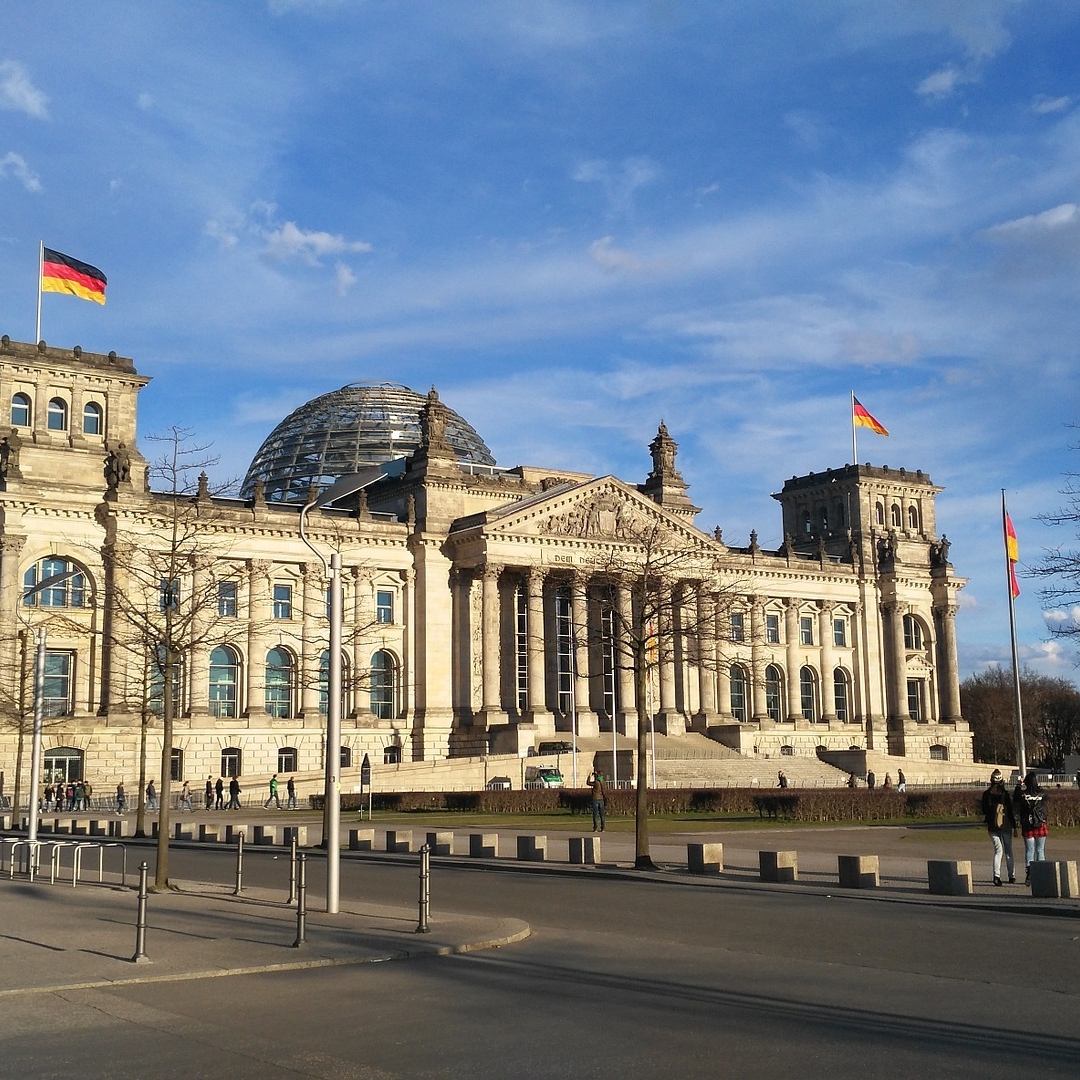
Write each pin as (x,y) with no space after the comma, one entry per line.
(40,275)
(573,694)
(1021,754)
(854,445)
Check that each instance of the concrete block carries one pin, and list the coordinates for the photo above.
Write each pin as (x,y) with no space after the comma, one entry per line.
(265,835)
(484,845)
(78,828)
(705,858)
(209,834)
(96,827)
(441,843)
(950,878)
(858,871)
(182,831)
(779,866)
(361,839)
(232,832)
(584,850)
(1053,879)
(299,834)
(531,848)
(399,840)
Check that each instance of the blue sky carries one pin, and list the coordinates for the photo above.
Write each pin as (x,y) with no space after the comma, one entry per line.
(577,219)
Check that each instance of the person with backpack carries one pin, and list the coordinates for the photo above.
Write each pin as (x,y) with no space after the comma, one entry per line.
(1030,800)
(597,799)
(1000,818)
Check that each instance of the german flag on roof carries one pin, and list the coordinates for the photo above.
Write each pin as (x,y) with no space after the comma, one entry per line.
(63,274)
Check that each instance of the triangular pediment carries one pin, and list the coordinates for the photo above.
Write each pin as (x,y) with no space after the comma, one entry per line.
(600,510)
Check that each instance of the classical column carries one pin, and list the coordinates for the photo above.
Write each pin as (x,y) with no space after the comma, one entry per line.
(791,633)
(258,611)
(536,653)
(949,671)
(204,596)
(312,642)
(669,720)
(706,655)
(897,664)
(760,657)
(363,620)
(491,711)
(588,723)
(828,662)
(408,617)
(627,720)
(11,548)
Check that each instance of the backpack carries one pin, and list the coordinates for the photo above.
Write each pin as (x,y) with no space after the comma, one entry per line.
(999,816)
(1036,810)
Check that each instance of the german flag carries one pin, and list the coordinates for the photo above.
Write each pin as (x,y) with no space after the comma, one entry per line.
(1012,553)
(861,418)
(63,274)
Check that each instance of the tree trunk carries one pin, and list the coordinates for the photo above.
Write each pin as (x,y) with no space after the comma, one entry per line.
(642,856)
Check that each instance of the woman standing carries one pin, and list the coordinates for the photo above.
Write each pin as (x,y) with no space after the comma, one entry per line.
(1030,800)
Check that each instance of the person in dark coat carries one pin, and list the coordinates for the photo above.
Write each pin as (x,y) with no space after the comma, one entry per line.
(1030,804)
(234,794)
(1000,818)
(219,791)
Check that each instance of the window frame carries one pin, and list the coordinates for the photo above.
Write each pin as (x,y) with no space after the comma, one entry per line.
(384,606)
(283,601)
(215,698)
(59,411)
(806,630)
(279,683)
(93,409)
(808,696)
(24,403)
(772,629)
(227,594)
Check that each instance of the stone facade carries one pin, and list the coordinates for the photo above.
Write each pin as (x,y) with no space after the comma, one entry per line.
(482,605)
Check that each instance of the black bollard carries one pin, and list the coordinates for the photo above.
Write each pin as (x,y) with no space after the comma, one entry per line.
(425,894)
(301,904)
(292,872)
(239,864)
(140,956)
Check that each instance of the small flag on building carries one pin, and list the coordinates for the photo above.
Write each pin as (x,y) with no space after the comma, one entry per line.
(1012,550)
(862,418)
(63,274)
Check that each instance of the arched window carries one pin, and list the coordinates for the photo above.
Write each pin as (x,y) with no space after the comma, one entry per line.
(895,516)
(879,513)
(913,518)
(841,695)
(838,515)
(70,593)
(324,684)
(279,683)
(92,419)
(20,410)
(63,763)
(913,633)
(807,524)
(738,692)
(224,683)
(808,698)
(58,414)
(383,685)
(774,693)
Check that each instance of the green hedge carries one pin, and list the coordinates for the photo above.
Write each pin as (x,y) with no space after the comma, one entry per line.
(828,804)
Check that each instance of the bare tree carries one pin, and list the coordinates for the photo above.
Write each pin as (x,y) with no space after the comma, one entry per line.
(1060,568)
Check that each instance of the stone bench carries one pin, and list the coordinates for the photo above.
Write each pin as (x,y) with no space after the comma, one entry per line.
(97,827)
(705,858)
(950,878)
(778,866)
(1053,879)
(857,871)
(484,845)
(584,850)
(399,841)
(233,832)
(440,843)
(361,839)
(531,848)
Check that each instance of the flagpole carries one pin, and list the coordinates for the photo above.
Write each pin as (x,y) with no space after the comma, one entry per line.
(1021,762)
(40,274)
(854,447)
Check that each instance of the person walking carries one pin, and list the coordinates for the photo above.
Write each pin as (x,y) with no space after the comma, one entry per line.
(219,791)
(871,779)
(781,779)
(1030,802)
(234,794)
(887,785)
(209,793)
(121,798)
(273,794)
(185,799)
(901,781)
(290,791)
(595,781)
(151,796)
(1000,818)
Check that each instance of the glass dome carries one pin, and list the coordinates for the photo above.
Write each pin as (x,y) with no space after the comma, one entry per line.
(364,423)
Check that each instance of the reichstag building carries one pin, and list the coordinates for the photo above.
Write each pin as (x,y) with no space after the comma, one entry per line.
(482,604)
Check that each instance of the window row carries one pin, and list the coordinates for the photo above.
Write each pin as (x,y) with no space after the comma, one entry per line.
(776,703)
(896,516)
(808,633)
(56,417)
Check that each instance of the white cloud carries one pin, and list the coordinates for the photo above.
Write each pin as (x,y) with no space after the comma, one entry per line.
(1051,105)
(809,129)
(290,241)
(618,182)
(145,101)
(611,259)
(941,84)
(18,93)
(16,165)
(344,278)
(227,237)
(1067,215)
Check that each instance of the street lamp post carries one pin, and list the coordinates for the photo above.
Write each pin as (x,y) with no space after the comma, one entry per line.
(347,485)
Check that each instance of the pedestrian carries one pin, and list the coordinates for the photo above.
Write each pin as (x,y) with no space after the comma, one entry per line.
(69,795)
(997,809)
(273,794)
(290,790)
(151,796)
(887,786)
(185,798)
(219,791)
(851,781)
(781,779)
(80,796)
(1030,802)
(595,781)
(901,780)
(209,793)
(871,779)
(234,794)
(87,792)
(48,796)
(121,798)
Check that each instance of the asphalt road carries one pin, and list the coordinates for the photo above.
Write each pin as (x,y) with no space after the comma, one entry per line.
(620,978)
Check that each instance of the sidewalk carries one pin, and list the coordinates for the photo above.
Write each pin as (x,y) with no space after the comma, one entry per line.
(58,937)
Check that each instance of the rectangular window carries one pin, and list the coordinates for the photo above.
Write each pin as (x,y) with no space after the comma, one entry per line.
(176,765)
(384,606)
(772,629)
(226,599)
(286,760)
(521,647)
(58,699)
(738,626)
(282,601)
(839,633)
(169,594)
(230,761)
(915,699)
(806,630)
